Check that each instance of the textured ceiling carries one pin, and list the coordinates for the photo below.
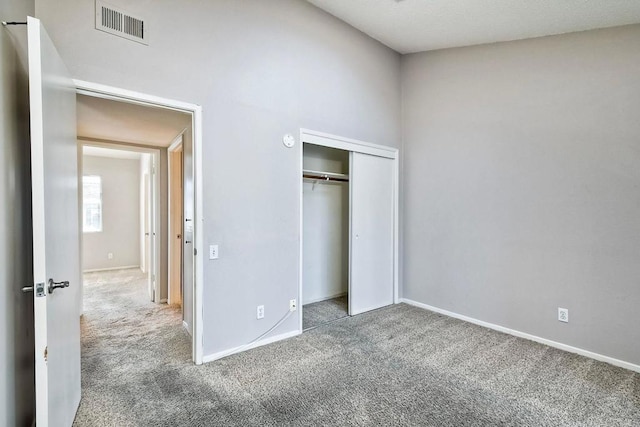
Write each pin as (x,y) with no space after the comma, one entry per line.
(99,118)
(418,25)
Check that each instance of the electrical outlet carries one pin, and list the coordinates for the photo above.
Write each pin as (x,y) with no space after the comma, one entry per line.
(213,251)
(260,312)
(563,314)
(293,305)
(110,255)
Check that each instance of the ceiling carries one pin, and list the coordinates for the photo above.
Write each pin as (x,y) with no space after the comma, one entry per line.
(419,25)
(117,121)
(109,152)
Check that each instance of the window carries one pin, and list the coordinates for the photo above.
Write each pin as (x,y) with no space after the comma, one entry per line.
(91,204)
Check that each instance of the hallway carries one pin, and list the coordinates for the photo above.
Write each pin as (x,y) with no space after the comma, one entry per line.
(129,345)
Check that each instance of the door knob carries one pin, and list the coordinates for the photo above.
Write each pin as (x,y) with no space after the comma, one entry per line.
(57,285)
(27,289)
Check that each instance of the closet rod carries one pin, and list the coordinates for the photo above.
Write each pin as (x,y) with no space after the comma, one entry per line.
(324,178)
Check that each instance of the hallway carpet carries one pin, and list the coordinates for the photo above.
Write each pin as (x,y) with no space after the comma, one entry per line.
(319,313)
(398,366)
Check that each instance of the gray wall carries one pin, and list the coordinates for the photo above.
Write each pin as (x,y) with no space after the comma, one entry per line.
(260,69)
(120,233)
(521,185)
(16,307)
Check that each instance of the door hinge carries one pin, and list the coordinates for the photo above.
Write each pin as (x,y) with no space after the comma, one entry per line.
(195,251)
(46,353)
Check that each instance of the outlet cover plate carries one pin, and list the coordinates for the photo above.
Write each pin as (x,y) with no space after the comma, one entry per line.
(213,252)
(563,314)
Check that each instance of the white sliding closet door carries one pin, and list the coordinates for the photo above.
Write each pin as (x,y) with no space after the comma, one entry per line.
(372,226)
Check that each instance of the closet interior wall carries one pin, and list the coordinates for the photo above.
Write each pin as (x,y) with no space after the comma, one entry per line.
(325,226)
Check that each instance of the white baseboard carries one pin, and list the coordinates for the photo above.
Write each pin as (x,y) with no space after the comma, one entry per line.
(341,294)
(550,343)
(96,270)
(186,326)
(265,341)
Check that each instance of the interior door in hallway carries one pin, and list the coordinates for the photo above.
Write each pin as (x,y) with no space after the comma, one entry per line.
(188,257)
(176,220)
(372,230)
(56,237)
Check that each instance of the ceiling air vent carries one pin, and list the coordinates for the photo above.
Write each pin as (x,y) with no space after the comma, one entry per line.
(120,23)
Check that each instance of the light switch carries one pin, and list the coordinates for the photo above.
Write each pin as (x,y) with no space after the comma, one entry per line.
(213,251)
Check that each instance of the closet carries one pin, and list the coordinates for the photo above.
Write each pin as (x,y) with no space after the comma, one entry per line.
(349,228)
(325,221)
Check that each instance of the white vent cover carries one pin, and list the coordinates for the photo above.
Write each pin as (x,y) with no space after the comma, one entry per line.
(116,21)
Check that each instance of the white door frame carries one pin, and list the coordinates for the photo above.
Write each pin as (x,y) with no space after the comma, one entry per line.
(124,95)
(156,230)
(352,145)
(175,145)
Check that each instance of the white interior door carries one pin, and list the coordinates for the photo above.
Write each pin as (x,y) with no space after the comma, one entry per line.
(155,263)
(145,223)
(150,219)
(147,230)
(372,225)
(175,221)
(151,223)
(188,258)
(56,239)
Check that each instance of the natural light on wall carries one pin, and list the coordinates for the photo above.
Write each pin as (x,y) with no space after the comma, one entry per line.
(91,204)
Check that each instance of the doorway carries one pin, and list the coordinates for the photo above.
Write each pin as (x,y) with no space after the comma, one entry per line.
(120,206)
(110,118)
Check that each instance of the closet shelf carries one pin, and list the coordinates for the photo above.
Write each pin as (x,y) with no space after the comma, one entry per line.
(326,176)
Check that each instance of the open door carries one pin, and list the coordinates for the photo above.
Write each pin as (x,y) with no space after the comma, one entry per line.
(146,201)
(150,223)
(56,239)
(371,180)
(175,225)
(188,257)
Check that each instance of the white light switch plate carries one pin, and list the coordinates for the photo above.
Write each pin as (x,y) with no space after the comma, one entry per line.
(213,251)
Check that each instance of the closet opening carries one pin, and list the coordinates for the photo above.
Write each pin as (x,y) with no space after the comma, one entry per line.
(325,228)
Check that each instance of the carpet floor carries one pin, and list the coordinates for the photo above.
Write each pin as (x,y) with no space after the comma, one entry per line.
(397,366)
(319,313)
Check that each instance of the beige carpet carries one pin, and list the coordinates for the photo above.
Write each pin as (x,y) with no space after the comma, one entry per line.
(398,366)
